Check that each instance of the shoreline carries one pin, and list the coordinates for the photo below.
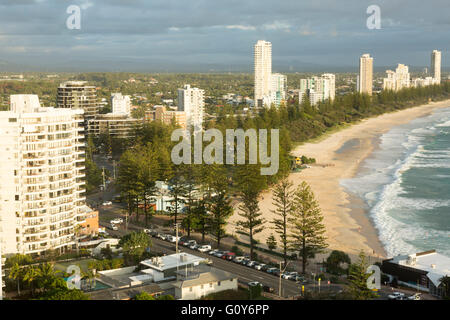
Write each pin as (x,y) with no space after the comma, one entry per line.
(346,216)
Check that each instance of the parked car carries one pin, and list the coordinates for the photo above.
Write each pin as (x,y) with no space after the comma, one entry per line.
(107,203)
(204,248)
(396,296)
(112,226)
(254,284)
(189,243)
(265,267)
(213,252)
(117,221)
(219,254)
(259,266)
(245,261)
(230,256)
(194,246)
(172,239)
(285,275)
(298,278)
(161,236)
(251,263)
(238,259)
(271,270)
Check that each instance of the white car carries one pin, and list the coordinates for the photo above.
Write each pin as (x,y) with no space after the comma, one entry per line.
(260,266)
(204,248)
(107,203)
(113,227)
(117,221)
(396,296)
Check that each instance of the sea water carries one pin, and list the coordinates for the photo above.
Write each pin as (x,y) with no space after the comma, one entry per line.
(406,185)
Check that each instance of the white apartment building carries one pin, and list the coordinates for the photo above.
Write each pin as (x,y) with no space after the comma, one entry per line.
(397,80)
(436,65)
(120,104)
(42,190)
(423,82)
(263,72)
(279,89)
(192,102)
(365,79)
(318,89)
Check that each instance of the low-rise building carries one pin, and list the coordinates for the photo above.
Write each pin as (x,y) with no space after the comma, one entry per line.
(421,270)
(201,282)
(90,225)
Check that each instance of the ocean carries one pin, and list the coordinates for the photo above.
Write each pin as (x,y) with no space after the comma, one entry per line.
(405,183)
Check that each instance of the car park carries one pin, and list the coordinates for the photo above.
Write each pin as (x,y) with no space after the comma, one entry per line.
(204,248)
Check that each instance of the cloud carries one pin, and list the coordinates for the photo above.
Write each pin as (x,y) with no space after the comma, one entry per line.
(241,27)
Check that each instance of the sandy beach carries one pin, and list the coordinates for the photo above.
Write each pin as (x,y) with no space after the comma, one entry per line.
(339,156)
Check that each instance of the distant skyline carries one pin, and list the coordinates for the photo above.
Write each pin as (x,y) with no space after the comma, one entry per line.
(205,35)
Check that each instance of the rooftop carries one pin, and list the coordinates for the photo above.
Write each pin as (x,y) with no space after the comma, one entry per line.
(172,261)
(213,275)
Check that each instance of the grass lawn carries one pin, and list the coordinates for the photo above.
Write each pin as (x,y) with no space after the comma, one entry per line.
(83,264)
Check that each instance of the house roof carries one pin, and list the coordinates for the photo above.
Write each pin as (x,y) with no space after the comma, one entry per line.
(436,265)
(172,261)
(213,275)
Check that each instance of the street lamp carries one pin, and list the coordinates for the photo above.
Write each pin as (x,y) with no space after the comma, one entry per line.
(279,285)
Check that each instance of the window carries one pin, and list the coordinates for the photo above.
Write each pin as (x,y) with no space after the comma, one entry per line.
(12,119)
(218,283)
(190,289)
(17,197)
(210,285)
(201,287)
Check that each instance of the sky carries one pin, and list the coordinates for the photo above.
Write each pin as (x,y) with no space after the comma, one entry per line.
(213,35)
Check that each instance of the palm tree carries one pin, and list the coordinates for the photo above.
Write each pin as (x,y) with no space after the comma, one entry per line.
(16,273)
(30,276)
(47,276)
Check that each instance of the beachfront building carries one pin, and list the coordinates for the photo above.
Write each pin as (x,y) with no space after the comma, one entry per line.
(279,89)
(263,73)
(318,89)
(201,281)
(422,270)
(192,102)
(365,79)
(120,104)
(166,116)
(78,95)
(397,80)
(436,65)
(42,194)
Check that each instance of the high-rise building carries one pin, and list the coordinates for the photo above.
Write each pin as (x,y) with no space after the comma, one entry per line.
(397,80)
(365,79)
(120,104)
(192,102)
(78,95)
(436,65)
(318,89)
(263,73)
(279,89)
(42,194)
